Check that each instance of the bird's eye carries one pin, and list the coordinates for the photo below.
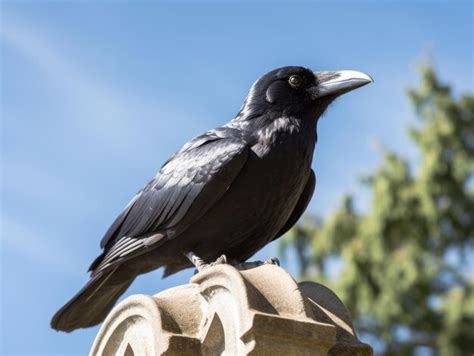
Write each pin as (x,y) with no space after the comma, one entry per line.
(296,81)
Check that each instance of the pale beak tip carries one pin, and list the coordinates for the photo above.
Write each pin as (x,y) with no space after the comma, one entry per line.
(368,77)
(339,82)
(356,75)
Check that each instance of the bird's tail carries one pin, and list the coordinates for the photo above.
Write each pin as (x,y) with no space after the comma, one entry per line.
(93,302)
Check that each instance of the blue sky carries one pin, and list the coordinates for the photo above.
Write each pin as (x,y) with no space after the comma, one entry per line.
(95,96)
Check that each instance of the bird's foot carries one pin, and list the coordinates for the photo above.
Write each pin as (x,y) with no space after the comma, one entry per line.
(201,265)
(253,264)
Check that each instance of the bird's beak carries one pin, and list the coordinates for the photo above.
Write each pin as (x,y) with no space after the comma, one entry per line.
(338,83)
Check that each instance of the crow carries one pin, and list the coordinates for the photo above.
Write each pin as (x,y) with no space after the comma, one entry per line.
(223,196)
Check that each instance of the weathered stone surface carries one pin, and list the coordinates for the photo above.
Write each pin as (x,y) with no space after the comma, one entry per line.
(259,311)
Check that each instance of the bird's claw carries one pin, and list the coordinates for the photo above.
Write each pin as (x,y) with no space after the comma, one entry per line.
(221,260)
(201,265)
(272,261)
(253,264)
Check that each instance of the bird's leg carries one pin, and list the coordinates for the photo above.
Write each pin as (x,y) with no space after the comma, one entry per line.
(249,265)
(200,264)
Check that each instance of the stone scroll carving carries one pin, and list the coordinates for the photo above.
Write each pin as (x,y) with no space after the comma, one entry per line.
(259,311)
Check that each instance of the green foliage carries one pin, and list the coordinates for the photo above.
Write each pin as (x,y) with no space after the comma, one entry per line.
(405,273)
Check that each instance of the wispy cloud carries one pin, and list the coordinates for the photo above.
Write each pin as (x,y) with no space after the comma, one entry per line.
(105,115)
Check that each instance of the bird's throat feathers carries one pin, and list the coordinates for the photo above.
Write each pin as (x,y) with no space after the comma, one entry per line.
(280,128)
(270,130)
(289,133)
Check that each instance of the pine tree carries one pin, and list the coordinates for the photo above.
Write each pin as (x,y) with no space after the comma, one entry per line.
(405,272)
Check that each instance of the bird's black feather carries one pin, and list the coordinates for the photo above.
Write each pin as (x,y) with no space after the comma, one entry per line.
(300,207)
(206,167)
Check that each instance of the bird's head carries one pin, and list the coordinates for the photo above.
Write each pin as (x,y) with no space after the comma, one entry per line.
(298,91)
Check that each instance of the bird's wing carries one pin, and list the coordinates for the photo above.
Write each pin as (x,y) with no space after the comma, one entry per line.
(301,206)
(186,187)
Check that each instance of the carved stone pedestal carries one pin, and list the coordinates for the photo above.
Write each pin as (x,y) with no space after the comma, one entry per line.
(260,311)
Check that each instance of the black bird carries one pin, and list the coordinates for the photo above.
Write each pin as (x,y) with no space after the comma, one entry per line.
(229,191)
